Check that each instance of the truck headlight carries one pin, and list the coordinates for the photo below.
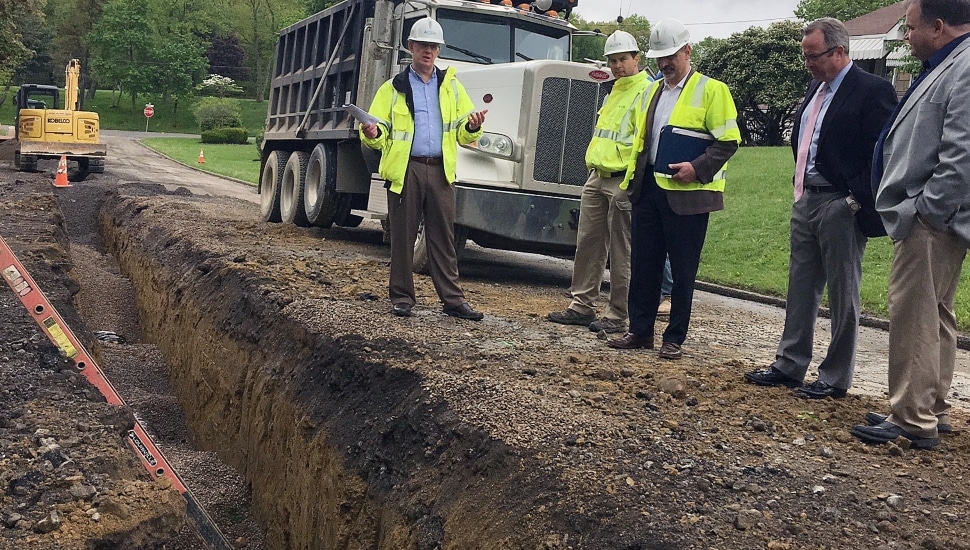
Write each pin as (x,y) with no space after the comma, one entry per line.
(495,145)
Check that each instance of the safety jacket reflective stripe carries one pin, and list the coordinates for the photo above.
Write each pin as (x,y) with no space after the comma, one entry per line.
(705,105)
(616,125)
(396,124)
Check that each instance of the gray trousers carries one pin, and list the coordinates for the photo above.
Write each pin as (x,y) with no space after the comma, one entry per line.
(826,250)
(428,195)
(923,327)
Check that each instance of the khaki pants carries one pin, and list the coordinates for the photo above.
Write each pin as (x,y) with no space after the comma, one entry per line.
(922,327)
(604,231)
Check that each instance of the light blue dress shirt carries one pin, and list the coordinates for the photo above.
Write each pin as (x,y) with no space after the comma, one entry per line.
(427,116)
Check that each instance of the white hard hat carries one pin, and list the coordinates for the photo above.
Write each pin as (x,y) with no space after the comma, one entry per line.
(667,38)
(621,42)
(427,30)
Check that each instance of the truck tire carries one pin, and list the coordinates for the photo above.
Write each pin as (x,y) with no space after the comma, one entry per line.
(269,186)
(25,163)
(420,264)
(291,189)
(323,204)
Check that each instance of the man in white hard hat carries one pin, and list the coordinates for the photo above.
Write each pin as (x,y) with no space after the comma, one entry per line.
(604,212)
(672,200)
(423,114)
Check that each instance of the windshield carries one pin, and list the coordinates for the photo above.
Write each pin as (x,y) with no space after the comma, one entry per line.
(486,39)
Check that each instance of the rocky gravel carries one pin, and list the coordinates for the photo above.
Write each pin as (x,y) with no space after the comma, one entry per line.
(630,451)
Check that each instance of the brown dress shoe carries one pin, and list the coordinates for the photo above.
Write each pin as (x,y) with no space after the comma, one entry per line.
(670,350)
(631,341)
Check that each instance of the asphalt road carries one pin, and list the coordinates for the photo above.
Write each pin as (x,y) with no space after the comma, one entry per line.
(131,161)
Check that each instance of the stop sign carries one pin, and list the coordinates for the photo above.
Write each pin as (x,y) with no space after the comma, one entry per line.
(149,110)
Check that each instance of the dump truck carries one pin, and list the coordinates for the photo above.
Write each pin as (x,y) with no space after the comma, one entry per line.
(518,187)
(45,132)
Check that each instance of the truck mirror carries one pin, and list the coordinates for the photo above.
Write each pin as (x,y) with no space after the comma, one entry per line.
(404,57)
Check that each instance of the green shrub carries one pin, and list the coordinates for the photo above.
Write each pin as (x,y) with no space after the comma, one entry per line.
(217,112)
(259,143)
(237,136)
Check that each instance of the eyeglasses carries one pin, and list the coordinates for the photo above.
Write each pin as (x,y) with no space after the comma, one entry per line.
(813,57)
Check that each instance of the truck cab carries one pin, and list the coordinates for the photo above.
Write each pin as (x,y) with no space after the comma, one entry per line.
(518,187)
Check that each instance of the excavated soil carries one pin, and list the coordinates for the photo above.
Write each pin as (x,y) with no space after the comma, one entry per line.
(346,427)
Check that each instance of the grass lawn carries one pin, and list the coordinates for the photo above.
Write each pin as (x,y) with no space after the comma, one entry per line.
(236,161)
(747,243)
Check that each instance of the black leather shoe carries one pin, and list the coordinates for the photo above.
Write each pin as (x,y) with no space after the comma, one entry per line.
(670,350)
(402,309)
(819,390)
(874,419)
(631,341)
(771,377)
(464,311)
(886,432)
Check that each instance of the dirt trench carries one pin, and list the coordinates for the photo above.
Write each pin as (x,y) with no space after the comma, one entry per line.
(341,450)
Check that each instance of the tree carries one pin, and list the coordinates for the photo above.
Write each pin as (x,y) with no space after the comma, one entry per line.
(313,6)
(591,46)
(766,75)
(13,52)
(258,22)
(810,10)
(137,57)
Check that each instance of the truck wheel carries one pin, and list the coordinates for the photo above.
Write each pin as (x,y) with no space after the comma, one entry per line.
(269,185)
(420,264)
(25,163)
(320,198)
(291,189)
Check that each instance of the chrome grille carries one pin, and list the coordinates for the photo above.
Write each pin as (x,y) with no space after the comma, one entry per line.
(566,120)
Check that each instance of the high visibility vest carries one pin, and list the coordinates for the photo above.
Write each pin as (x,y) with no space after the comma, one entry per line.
(396,125)
(705,105)
(616,125)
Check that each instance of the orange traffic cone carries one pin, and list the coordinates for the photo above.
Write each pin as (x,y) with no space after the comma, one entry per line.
(61,179)
(201,157)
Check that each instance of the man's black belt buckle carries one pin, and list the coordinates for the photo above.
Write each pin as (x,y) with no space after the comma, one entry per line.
(431,161)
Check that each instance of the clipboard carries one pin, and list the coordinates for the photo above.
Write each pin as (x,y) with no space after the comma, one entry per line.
(361,115)
(679,145)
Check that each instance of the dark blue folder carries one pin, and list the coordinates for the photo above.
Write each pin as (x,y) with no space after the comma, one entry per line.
(680,145)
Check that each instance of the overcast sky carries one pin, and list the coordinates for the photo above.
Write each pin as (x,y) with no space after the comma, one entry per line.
(717,18)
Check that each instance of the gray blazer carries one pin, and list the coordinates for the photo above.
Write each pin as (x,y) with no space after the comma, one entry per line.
(927,154)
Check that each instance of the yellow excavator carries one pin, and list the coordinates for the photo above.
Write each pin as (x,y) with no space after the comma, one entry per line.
(45,132)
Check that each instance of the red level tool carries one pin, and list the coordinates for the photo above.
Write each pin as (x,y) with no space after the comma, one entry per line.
(60,334)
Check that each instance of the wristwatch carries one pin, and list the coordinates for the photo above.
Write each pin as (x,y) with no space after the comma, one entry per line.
(853,205)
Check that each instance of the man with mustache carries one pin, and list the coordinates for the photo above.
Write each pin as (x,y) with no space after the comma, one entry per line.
(672,203)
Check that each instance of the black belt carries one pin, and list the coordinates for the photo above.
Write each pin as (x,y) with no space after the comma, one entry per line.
(820,189)
(431,161)
(605,174)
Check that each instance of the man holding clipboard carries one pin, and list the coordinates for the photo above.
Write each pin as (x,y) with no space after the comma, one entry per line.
(675,180)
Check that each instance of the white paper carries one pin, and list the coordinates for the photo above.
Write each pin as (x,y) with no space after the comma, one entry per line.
(361,115)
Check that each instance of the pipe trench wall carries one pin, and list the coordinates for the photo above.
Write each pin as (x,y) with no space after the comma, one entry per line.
(335,448)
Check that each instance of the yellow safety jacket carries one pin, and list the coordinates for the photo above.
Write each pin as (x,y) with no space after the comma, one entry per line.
(705,105)
(616,126)
(393,106)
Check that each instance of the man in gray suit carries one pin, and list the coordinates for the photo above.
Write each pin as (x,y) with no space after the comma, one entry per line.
(835,131)
(924,199)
